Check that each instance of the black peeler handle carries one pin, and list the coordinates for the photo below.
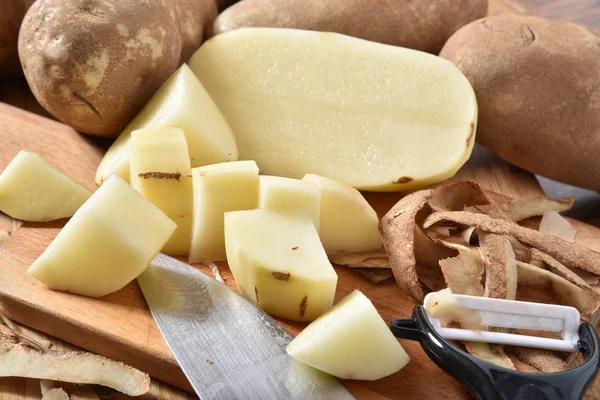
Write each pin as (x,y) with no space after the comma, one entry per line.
(487,381)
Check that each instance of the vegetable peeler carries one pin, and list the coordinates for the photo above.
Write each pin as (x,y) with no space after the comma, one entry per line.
(487,381)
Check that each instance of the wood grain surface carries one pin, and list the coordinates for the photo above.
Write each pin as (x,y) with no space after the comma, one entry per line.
(122,319)
(120,326)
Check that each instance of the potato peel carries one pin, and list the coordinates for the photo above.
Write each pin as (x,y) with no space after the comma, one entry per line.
(515,261)
(569,254)
(555,224)
(461,196)
(564,291)
(74,367)
(520,209)
(464,273)
(489,353)
(500,266)
(397,229)
(542,360)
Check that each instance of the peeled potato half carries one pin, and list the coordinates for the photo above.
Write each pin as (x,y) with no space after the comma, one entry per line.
(374,116)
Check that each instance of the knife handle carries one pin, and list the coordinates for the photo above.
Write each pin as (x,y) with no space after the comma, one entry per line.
(487,381)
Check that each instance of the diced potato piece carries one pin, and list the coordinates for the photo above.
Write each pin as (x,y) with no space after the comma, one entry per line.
(351,341)
(279,263)
(109,241)
(161,172)
(183,102)
(348,222)
(219,188)
(374,116)
(290,196)
(31,189)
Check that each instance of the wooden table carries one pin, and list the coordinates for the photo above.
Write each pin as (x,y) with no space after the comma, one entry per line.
(16,92)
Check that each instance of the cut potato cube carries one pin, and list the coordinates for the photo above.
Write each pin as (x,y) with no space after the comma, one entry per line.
(219,188)
(161,172)
(351,341)
(32,189)
(279,263)
(348,222)
(183,102)
(290,196)
(109,241)
(374,116)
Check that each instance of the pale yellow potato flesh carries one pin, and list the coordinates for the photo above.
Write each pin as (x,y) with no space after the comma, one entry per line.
(160,171)
(348,222)
(182,102)
(32,189)
(374,116)
(279,263)
(291,197)
(109,241)
(219,188)
(350,341)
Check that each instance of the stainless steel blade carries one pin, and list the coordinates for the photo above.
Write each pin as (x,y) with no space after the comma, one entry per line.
(227,347)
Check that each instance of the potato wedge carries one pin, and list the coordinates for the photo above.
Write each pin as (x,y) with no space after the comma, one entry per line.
(279,263)
(109,241)
(351,341)
(181,102)
(32,189)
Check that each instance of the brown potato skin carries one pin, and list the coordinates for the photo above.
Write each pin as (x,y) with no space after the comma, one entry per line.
(422,25)
(537,83)
(11,15)
(195,22)
(93,64)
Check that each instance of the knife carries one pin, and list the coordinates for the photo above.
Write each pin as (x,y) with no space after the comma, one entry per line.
(226,346)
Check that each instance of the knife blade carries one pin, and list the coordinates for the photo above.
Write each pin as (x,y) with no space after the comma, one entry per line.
(227,347)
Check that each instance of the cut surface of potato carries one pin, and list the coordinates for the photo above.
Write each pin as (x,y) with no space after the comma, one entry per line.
(279,263)
(374,116)
(348,222)
(219,188)
(350,341)
(290,196)
(32,189)
(161,172)
(109,241)
(182,102)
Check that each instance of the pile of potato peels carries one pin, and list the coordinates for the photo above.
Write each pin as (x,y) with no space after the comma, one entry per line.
(458,236)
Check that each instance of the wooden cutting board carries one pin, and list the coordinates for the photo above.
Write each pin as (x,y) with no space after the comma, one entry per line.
(120,326)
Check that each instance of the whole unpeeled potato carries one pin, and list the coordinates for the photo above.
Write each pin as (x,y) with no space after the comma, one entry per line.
(11,15)
(422,25)
(537,83)
(93,64)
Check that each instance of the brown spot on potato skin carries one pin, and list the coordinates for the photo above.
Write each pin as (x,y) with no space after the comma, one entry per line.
(256,294)
(88,104)
(281,276)
(160,175)
(471,134)
(303,306)
(528,35)
(403,179)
